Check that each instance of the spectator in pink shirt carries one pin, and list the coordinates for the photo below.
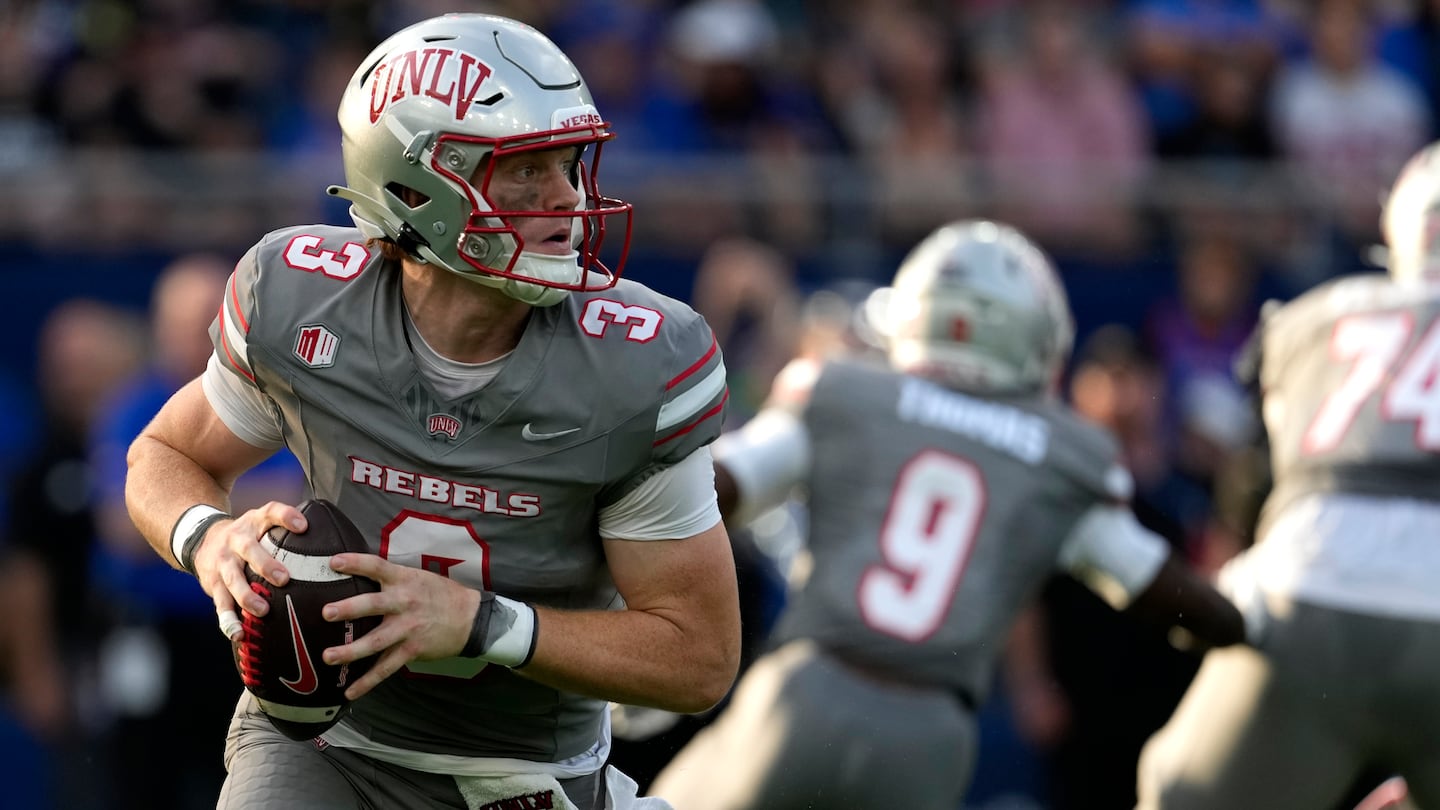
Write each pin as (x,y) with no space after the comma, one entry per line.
(1062,135)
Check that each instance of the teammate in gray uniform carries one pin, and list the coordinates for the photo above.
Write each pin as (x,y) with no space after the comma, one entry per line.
(1346,561)
(942,491)
(521,436)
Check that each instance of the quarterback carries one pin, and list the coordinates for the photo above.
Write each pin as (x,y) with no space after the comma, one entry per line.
(520,434)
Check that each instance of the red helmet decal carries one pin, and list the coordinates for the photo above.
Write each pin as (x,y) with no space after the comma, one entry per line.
(451,77)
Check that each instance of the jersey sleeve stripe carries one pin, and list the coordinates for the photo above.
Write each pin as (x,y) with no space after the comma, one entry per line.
(709,414)
(240,363)
(235,302)
(238,341)
(699,364)
(684,407)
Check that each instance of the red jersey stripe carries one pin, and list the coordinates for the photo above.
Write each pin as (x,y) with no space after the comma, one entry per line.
(697,366)
(225,344)
(719,406)
(239,315)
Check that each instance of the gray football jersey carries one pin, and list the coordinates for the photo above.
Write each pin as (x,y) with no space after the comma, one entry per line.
(935,516)
(499,489)
(1350,375)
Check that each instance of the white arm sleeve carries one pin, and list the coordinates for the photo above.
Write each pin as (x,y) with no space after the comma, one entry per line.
(767,457)
(242,407)
(1113,554)
(677,502)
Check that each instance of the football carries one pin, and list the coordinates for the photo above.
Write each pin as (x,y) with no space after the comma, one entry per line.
(279,654)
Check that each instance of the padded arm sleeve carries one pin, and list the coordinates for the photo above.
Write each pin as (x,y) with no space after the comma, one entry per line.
(767,457)
(1113,554)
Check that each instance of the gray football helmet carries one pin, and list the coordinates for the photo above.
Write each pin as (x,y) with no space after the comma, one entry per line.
(978,306)
(1411,219)
(438,100)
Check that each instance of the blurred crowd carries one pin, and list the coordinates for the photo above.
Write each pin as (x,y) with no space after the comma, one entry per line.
(830,128)
(1183,159)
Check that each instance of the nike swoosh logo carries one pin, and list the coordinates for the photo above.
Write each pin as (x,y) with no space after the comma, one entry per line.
(306,682)
(531,436)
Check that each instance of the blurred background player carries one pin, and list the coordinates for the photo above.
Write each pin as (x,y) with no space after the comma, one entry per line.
(1344,565)
(941,494)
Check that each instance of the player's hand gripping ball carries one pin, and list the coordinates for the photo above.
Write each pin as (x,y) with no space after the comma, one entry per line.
(279,655)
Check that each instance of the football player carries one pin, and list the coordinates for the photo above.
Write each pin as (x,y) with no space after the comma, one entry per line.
(943,488)
(1345,562)
(521,435)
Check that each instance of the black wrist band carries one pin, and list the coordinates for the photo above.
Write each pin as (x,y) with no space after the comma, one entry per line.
(193,541)
(475,645)
(185,555)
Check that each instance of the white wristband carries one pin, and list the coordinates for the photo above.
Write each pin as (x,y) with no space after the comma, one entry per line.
(186,525)
(515,646)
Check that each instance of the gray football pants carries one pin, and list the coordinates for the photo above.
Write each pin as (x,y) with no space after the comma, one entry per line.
(1293,726)
(269,771)
(803,731)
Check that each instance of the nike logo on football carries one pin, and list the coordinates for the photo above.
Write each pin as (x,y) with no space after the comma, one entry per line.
(306,682)
(531,436)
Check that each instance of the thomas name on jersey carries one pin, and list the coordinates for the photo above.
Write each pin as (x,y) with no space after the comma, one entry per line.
(1009,430)
(439,490)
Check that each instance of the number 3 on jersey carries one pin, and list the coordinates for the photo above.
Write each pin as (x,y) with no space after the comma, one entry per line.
(304,253)
(1373,344)
(928,534)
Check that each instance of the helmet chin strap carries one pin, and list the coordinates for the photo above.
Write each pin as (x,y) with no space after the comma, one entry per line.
(561,268)
(556,268)
(546,266)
